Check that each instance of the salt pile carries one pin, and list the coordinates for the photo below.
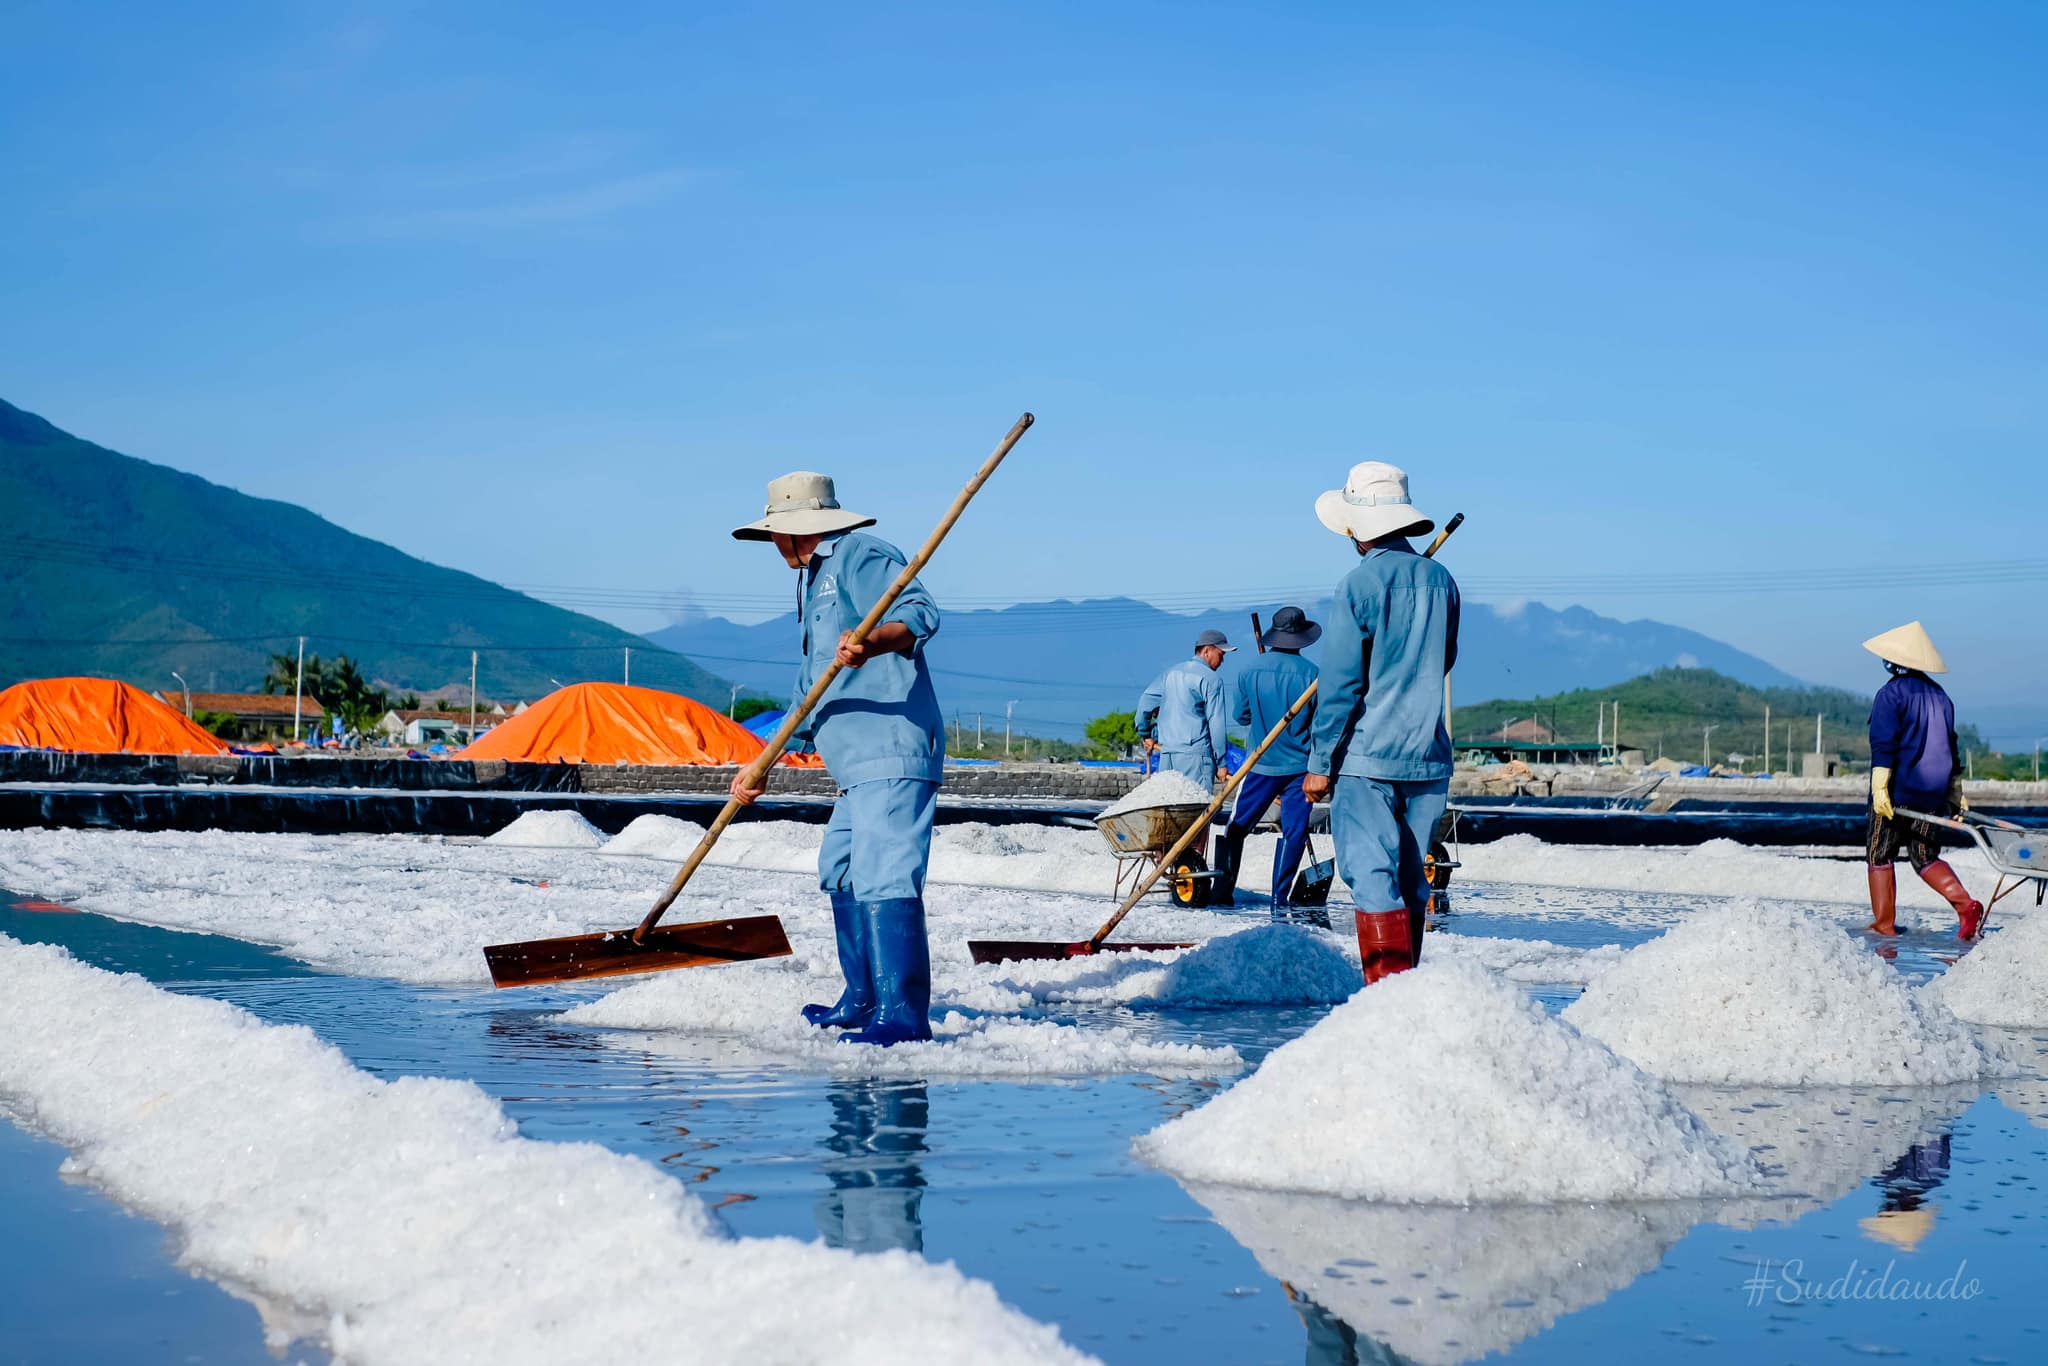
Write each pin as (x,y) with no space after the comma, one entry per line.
(549,830)
(1445,1085)
(1274,965)
(1766,995)
(1164,788)
(413,1217)
(2003,980)
(655,836)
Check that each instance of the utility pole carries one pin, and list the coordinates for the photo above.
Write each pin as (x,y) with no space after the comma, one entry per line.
(1616,736)
(732,705)
(1816,732)
(1706,745)
(1767,737)
(629,666)
(188,708)
(299,689)
(472,696)
(2037,759)
(1011,706)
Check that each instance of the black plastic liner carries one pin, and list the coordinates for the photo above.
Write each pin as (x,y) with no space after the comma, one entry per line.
(400,813)
(330,811)
(405,775)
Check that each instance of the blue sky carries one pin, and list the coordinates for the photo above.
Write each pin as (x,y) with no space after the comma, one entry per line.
(1685,307)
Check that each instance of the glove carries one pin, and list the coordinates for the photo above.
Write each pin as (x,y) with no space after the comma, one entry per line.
(1881,792)
(1956,798)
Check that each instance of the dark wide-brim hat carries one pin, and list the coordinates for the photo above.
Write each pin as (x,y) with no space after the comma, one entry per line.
(1291,630)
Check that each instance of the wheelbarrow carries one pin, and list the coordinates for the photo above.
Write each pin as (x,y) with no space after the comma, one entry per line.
(1139,841)
(2018,855)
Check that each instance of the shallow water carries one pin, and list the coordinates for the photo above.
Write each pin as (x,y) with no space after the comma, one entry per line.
(1032,1187)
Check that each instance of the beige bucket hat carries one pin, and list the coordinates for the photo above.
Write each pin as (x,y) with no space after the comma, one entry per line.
(1908,647)
(801,504)
(1373,503)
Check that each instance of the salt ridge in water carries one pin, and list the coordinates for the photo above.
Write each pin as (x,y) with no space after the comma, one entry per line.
(550,830)
(287,1170)
(2003,980)
(1446,1085)
(758,1005)
(1766,995)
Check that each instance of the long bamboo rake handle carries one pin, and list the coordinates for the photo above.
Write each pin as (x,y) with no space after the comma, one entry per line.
(1201,826)
(1216,803)
(757,771)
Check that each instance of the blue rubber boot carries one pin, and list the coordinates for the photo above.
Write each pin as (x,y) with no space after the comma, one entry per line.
(856,1005)
(902,972)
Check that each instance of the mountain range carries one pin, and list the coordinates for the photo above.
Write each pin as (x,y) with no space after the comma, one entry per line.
(1064,662)
(115,566)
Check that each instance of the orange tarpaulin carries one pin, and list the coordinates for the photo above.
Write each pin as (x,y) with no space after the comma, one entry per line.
(97,716)
(609,723)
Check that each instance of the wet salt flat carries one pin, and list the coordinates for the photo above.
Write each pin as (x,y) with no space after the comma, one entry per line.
(1030,1184)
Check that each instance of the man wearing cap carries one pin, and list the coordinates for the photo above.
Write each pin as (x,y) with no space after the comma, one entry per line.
(1182,715)
(1266,688)
(1379,734)
(1913,767)
(879,730)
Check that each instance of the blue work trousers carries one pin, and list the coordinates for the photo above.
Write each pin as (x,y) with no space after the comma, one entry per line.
(879,840)
(1384,829)
(1254,794)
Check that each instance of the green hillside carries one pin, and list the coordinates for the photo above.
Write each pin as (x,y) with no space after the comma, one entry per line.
(113,566)
(1666,711)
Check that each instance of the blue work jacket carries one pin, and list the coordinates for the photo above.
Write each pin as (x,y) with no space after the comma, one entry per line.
(881,720)
(1184,709)
(1913,733)
(1267,687)
(1393,635)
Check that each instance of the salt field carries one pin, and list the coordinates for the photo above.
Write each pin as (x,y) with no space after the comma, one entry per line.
(1521,1151)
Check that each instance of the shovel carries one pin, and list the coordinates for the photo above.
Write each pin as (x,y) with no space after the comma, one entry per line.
(649,947)
(1001,950)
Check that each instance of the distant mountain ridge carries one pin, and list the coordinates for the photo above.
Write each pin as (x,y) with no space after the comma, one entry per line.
(1063,662)
(115,566)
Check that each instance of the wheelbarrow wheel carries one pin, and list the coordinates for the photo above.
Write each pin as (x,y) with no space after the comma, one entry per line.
(1436,875)
(1186,886)
(1435,867)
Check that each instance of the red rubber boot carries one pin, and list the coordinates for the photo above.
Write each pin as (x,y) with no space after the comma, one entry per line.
(1969,912)
(1383,943)
(1884,900)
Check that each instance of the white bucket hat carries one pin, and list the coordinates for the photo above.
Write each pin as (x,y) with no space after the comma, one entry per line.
(801,504)
(1373,503)
(1909,647)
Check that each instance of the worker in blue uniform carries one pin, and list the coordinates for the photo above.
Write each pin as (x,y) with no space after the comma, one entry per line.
(880,733)
(1913,767)
(1379,735)
(1182,716)
(1266,688)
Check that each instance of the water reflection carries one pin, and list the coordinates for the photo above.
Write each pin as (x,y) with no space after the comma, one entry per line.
(874,1203)
(1441,1284)
(1905,1217)
(1820,1145)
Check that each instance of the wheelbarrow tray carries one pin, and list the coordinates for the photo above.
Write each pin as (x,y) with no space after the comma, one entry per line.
(1149,829)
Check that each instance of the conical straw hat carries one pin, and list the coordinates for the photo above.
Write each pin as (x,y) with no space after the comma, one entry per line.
(1908,647)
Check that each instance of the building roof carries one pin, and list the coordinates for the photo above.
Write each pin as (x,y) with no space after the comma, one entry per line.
(244,703)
